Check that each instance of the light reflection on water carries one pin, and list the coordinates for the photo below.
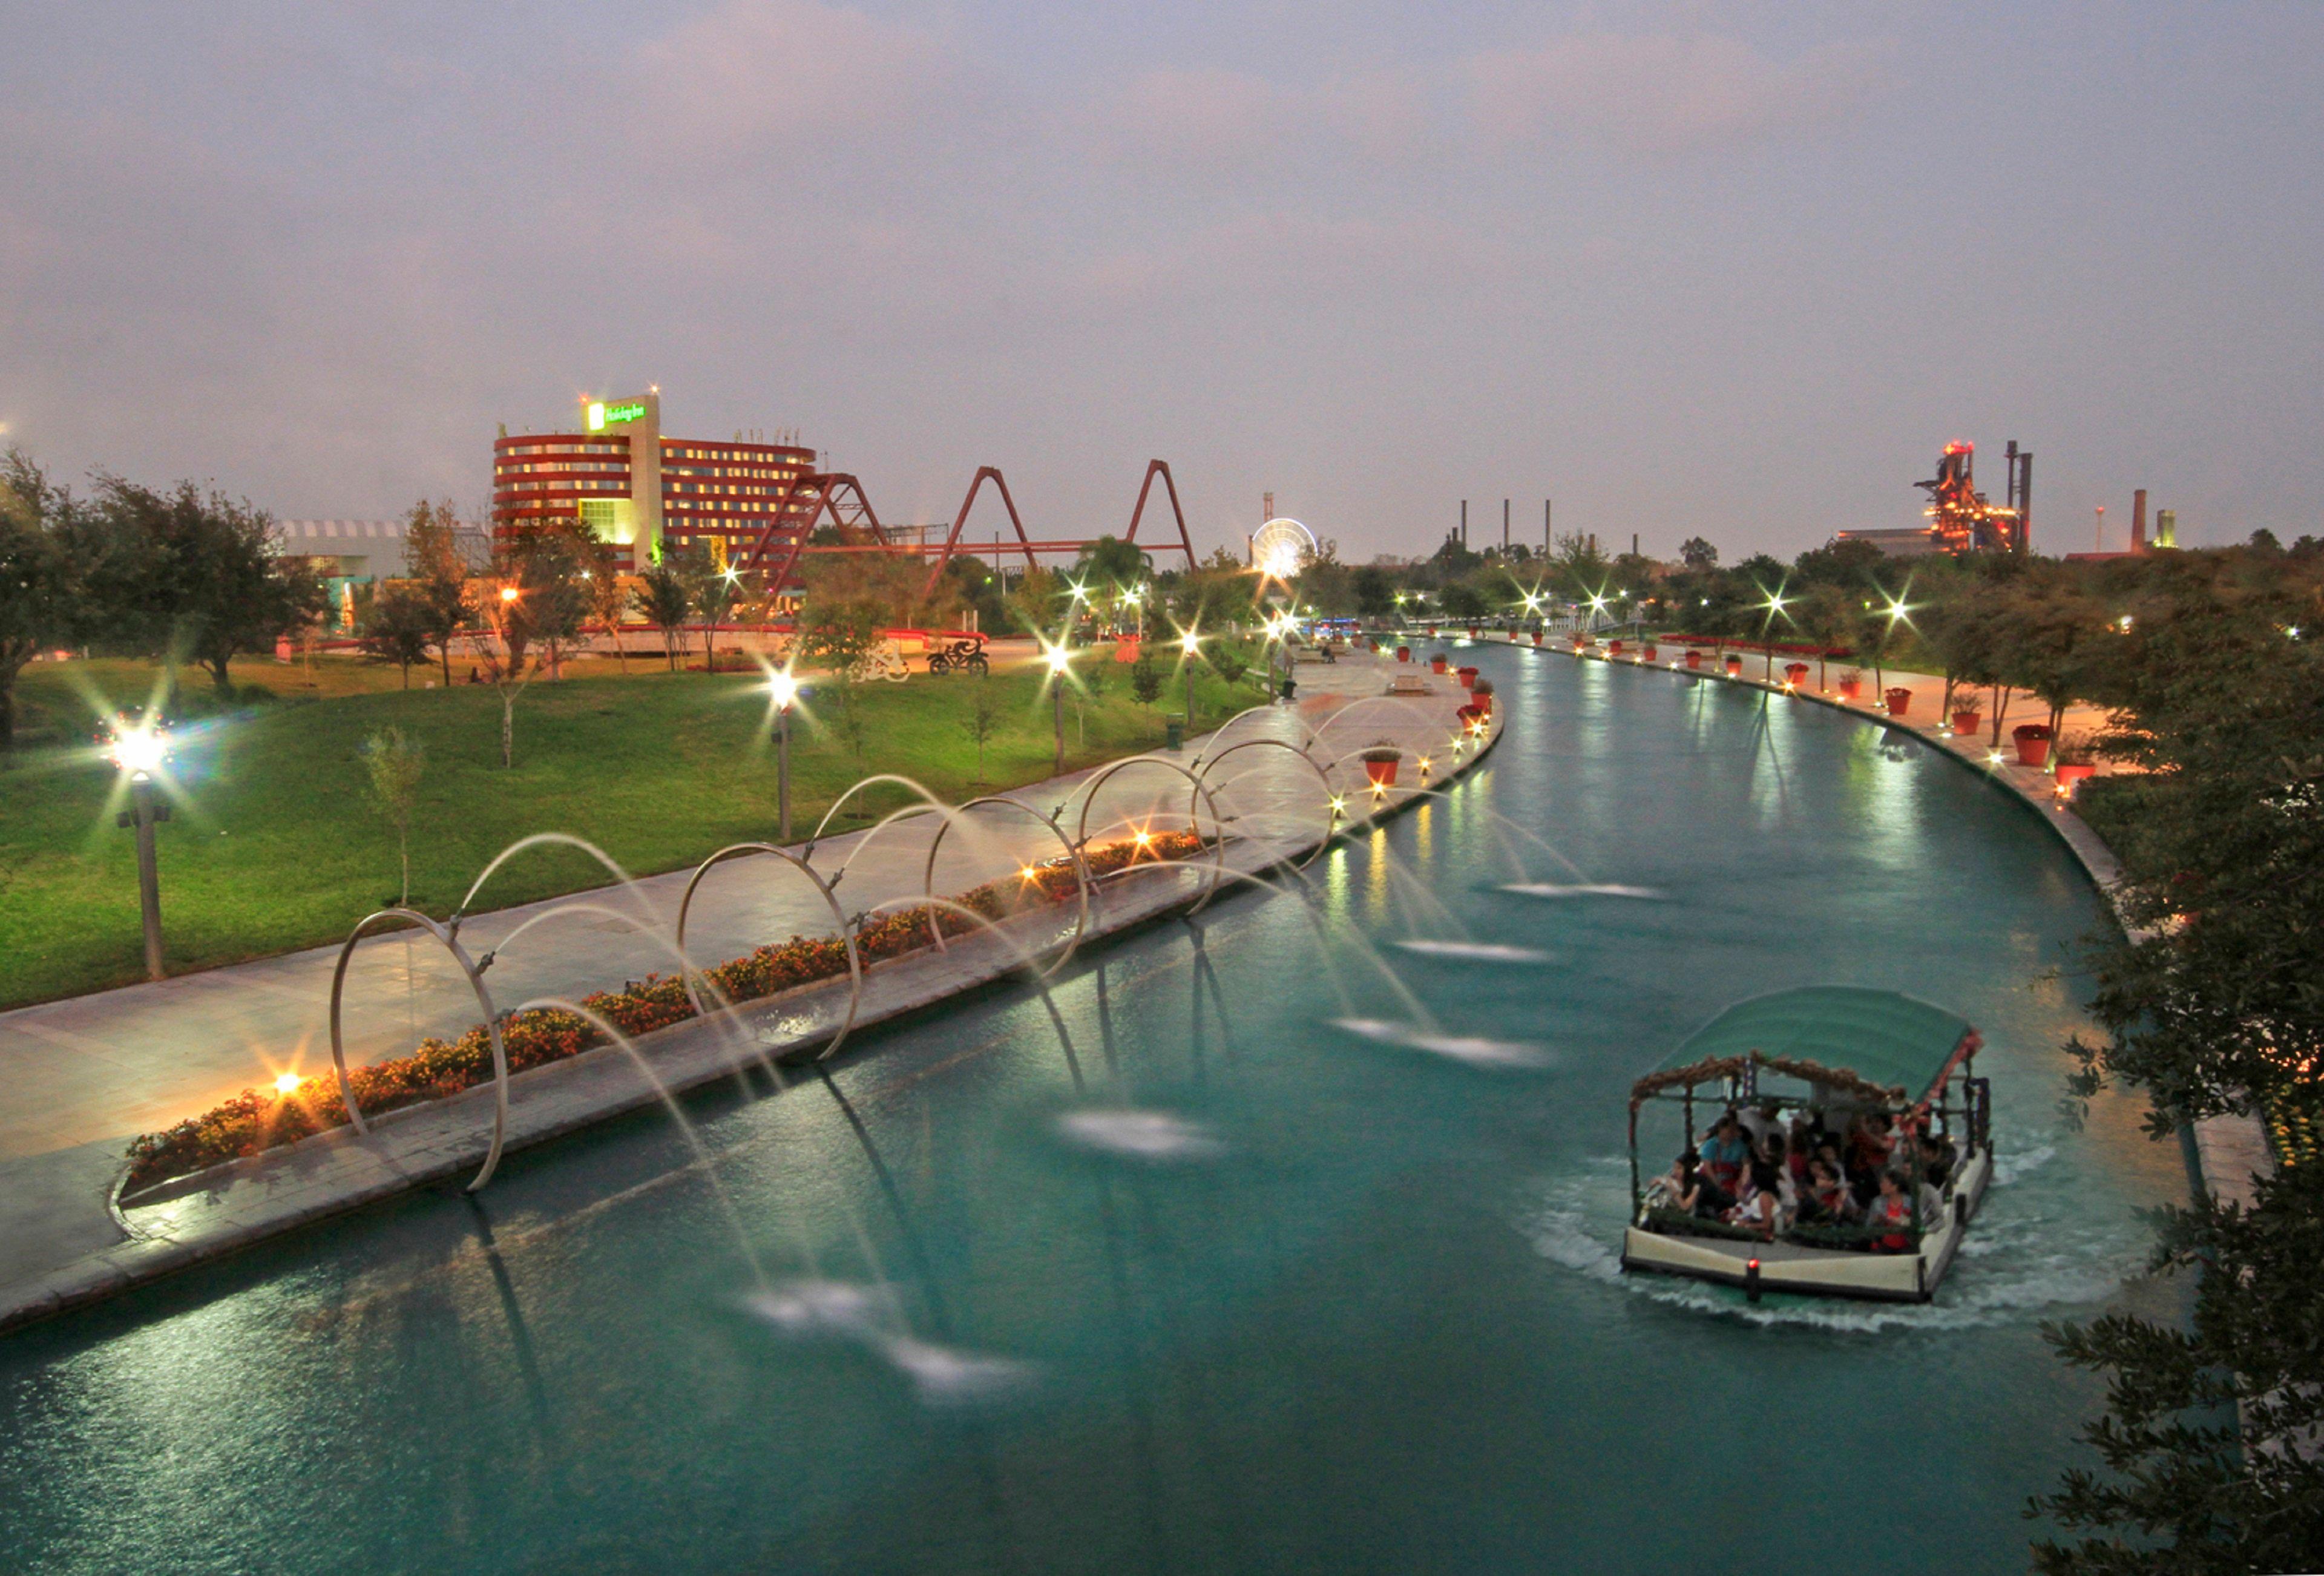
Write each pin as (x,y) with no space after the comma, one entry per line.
(1270,1294)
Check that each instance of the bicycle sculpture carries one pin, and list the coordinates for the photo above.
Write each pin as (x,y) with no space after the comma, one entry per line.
(887,662)
(960,656)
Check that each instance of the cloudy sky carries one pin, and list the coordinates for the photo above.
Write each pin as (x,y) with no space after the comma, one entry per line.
(1730,270)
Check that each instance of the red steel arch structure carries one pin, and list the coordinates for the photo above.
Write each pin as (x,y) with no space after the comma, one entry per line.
(840,498)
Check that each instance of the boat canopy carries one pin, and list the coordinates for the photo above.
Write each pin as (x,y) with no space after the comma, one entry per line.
(1869,1041)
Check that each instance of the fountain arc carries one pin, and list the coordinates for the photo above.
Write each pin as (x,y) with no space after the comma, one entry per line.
(1199,794)
(1024,955)
(1082,882)
(1322,774)
(847,929)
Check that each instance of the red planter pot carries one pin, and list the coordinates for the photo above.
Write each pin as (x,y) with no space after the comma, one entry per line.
(1695,658)
(1898,701)
(1404,653)
(1647,653)
(2033,743)
(1966,723)
(1851,689)
(1472,633)
(1483,703)
(1382,773)
(1795,673)
(1468,677)
(1734,667)
(1437,664)
(1613,647)
(2071,772)
(1536,637)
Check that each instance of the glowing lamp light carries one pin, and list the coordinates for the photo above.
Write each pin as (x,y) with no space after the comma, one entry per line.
(288,1082)
(1993,758)
(1190,642)
(783,688)
(1060,661)
(1027,871)
(140,751)
(1338,804)
(508,594)
(1144,838)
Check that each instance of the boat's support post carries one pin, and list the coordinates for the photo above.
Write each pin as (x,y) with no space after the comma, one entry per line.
(1751,1280)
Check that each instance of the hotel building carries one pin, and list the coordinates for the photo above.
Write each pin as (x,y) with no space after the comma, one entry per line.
(644,492)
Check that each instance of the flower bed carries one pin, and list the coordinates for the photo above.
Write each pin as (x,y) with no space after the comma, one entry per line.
(259,1119)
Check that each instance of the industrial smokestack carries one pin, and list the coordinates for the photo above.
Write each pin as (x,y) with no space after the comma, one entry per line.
(1545,543)
(2138,521)
(1464,523)
(1505,528)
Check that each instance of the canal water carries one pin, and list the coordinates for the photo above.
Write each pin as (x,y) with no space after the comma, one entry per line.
(1296,1280)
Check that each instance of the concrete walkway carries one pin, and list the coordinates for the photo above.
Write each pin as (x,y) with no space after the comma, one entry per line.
(94,1070)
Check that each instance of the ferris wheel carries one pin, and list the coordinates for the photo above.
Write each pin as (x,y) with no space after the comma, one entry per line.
(1279,546)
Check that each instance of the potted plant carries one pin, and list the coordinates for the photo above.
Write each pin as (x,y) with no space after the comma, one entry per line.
(1439,662)
(2077,762)
(1734,666)
(1851,685)
(1536,637)
(1613,647)
(1379,757)
(1897,699)
(1967,719)
(1474,634)
(1795,673)
(1647,652)
(1404,653)
(2033,743)
(1481,694)
(1694,660)
(1468,677)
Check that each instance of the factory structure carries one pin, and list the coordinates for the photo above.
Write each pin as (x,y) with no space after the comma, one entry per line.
(1962,520)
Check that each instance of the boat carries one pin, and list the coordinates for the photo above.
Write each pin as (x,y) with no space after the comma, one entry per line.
(1832,1053)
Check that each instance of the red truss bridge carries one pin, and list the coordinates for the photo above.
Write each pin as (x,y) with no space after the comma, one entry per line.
(837,499)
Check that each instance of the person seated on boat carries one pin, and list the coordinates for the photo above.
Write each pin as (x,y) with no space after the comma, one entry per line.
(1827,1200)
(1800,1148)
(1890,1215)
(1761,1207)
(1692,1192)
(1724,1151)
(1779,1161)
(1870,1143)
(1759,1123)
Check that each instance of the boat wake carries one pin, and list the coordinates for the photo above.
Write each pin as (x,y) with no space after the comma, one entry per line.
(1512,1056)
(867,1317)
(1482,952)
(2022,1265)
(1583,890)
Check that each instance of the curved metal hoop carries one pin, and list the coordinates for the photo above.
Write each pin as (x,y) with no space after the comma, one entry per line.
(856,787)
(484,999)
(1072,851)
(1220,732)
(1199,792)
(1323,775)
(1403,703)
(536,839)
(846,931)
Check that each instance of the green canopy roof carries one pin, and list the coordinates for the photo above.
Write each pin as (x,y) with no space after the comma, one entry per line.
(1879,1036)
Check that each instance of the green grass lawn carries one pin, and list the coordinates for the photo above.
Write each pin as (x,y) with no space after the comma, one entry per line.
(273,844)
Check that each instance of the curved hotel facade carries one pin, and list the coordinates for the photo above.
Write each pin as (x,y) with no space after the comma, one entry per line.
(642,490)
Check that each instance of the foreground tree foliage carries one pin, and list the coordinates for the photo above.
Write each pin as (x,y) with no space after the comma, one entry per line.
(2201,1424)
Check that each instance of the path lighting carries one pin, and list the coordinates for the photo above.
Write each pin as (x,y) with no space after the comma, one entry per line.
(783,690)
(139,753)
(1190,646)
(509,593)
(1061,661)
(288,1082)
(2123,624)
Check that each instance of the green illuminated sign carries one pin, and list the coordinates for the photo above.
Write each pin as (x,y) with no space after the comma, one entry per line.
(600,415)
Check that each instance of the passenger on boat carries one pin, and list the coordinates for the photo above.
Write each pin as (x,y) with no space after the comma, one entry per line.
(1762,1207)
(1828,1201)
(1724,1151)
(1760,1122)
(1691,1190)
(1891,1215)
(1778,1160)
(1800,1149)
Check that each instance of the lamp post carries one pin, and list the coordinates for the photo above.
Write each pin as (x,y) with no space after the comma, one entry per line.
(1060,663)
(784,688)
(140,751)
(1190,646)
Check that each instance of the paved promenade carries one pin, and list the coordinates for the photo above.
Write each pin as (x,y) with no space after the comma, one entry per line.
(94,1070)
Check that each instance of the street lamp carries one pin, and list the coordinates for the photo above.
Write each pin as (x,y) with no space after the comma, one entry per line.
(1190,646)
(139,752)
(783,689)
(1060,663)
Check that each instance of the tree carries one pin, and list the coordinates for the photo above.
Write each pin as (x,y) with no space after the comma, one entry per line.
(839,635)
(1146,679)
(667,601)
(1110,560)
(1826,617)
(1698,554)
(1461,600)
(1375,591)
(393,765)
(40,586)
(439,575)
(609,596)
(982,718)
(709,590)
(2236,1485)
(532,599)
(398,627)
(181,574)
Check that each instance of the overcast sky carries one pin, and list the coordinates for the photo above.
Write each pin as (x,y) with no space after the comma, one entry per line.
(1738,270)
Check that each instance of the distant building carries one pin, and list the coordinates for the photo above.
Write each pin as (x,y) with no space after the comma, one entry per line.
(370,550)
(642,491)
(1897,543)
